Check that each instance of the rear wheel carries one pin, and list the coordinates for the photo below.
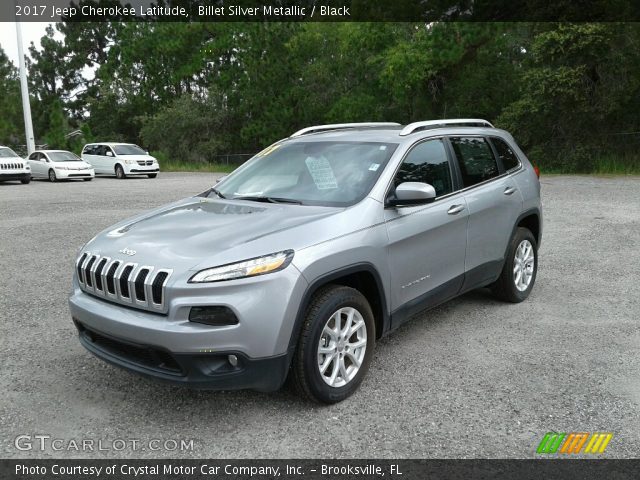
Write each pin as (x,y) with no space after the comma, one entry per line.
(120,172)
(152,175)
(52,176)
(520,268)
(335,346)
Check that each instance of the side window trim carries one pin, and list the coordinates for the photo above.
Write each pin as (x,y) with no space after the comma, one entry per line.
(450,160)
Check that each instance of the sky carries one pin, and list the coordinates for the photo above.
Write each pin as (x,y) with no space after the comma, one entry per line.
(31,32)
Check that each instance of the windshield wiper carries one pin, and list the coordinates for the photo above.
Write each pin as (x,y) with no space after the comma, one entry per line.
(269,199)
(214,190)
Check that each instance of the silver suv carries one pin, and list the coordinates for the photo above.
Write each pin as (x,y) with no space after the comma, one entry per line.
(300,260)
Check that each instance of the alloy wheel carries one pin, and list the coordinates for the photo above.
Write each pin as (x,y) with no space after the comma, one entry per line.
(523,265)
(342,347)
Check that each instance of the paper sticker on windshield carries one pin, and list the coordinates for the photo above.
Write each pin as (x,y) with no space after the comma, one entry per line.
(320,170)
(374,166)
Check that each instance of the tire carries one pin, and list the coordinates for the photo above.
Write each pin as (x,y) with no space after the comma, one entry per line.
(120,172)
(152,175)
(510,286)
(328,304)
(87,179)
(52,176)
(25,181)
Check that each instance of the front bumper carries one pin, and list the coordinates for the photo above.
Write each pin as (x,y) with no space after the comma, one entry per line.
(71,174)
(204,371)
(15,176)
(136,169)
(265,306)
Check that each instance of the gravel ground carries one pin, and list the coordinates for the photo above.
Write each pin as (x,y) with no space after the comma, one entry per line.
(473,378)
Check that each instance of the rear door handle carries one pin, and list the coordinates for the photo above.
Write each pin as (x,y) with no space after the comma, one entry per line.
(455,209)
(509,190)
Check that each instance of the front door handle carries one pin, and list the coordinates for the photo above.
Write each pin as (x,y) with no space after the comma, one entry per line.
(455,209)
(509,190)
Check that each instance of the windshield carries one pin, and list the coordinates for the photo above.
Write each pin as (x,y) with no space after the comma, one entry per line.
(63,157)
(7,153)
(128,150)
(309,173)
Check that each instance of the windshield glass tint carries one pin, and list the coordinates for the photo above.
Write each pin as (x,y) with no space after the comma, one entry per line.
(128,150)
(63,157)
(313,173)
(7,153)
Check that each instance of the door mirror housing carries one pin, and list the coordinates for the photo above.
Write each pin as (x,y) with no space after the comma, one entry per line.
(109,154)
(412,193)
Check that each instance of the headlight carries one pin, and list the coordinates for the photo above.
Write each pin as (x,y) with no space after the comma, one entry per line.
(248,268)
(60,167)
(130,162)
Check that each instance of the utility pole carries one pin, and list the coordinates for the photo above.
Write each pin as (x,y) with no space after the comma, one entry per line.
(24,87)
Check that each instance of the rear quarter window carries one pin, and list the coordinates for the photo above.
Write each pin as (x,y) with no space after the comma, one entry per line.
(505,154)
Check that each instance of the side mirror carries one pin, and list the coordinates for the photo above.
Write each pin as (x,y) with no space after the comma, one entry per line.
(109,154)
(412,193)
(218,180)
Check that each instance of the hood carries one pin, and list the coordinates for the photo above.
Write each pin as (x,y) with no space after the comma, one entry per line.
(136,157)
(72,165)
(184,234)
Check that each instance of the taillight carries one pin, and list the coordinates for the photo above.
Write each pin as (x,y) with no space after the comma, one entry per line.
(537,170)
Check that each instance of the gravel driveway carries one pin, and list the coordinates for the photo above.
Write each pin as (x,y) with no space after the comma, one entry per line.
(473,378)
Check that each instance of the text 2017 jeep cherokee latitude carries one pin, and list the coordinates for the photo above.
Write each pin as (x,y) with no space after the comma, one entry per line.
(297,262)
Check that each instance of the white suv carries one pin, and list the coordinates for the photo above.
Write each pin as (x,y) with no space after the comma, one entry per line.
(120,159)
(12,167)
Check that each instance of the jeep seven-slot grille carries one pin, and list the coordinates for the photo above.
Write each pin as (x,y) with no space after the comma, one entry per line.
(140,286)
(11,166)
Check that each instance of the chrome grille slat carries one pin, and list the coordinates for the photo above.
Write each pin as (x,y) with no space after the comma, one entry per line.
(146,284)
(123,281)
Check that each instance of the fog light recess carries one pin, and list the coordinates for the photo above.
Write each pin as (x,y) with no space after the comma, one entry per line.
(214,315)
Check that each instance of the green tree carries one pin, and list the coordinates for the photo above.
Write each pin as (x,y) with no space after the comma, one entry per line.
(58,127)
(11,120)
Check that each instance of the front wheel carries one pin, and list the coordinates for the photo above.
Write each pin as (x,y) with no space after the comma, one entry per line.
(335,346)
(52,176)
(152,175)
(520,268)
(25,181)
(120,172)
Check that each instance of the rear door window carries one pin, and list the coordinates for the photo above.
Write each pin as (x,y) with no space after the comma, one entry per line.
(475,159)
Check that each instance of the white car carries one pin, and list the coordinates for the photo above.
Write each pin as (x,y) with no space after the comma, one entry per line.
(59,165)
(120,159)
(12,167)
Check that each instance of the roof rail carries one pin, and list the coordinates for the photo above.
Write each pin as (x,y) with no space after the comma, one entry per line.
(462,122)
(341,126)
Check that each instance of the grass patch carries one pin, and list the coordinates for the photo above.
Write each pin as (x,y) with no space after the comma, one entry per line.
(615,165)
(169,165)
(603,165)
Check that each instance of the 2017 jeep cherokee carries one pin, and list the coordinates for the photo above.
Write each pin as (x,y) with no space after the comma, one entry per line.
(298,261)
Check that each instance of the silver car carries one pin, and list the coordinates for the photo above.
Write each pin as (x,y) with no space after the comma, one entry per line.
(300,260)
